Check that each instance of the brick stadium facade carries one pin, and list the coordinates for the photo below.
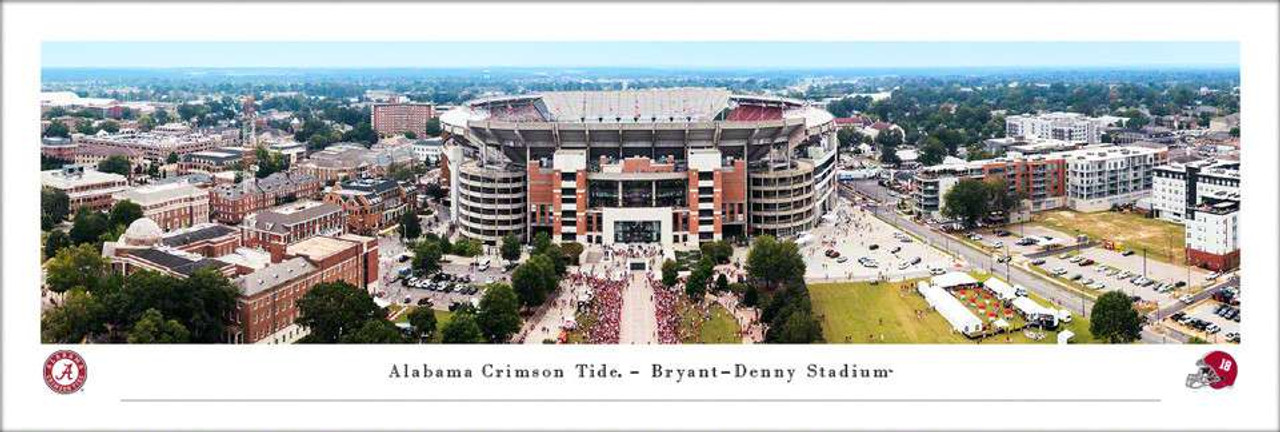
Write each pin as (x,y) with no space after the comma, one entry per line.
(664,166)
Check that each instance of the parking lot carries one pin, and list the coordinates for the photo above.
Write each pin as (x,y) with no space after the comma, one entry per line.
(857,234)
(1209,320)
(394,289)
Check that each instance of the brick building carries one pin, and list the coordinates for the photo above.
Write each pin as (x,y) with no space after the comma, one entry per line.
(372,205)
(86,187)
(274,229)
(398,118)
(171,206)
(230,203)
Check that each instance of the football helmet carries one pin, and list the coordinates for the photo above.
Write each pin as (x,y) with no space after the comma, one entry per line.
(1215,370)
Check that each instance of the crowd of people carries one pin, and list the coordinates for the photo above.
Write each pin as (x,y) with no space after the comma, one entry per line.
(666,306)
(602,305)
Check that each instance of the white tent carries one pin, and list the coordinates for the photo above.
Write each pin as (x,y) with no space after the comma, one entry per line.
(1034,311)
(1065,336)
(960,317)
(804,238)
(953,279)
(1001,289)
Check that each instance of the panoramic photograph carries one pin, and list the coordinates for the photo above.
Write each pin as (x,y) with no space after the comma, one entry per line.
(682,193)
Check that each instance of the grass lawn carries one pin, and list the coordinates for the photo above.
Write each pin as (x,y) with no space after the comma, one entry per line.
(860,310)
(442,317)
(720,328)
(1163,240)
(579,334)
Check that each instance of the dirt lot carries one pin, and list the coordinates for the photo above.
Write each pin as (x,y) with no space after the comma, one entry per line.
(1163,240)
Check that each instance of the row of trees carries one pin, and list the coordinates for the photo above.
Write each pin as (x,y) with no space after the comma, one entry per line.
(970,200)
(88,227)
(144,307)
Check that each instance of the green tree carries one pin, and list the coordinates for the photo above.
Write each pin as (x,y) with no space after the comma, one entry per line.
(696,286)
(1003,199)
(462,329)
(773,263)
(54,242)
(433,127)
(751,298)
(57,129)
(115,164)
(410,226)
(572,251)
(361,133)
(86,127)
(111,126)
(533,280)
(162,117)
(55,205)
(467,247)
(1235,132)
(77,318)
(152,328)
(78,266)
(410,135)
(172,158)
(499,314)
(933,152)
(510,248)
(330,310)
(670,273)
(146,122)
(124,212)
(1114,319)
(374,331)
(426,258)
(889,155)
(719,251)
(423,322)
(88,226)
(722,283)
(968,200)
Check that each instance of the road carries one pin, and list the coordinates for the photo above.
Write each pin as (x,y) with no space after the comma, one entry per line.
(639,321)
(978,259)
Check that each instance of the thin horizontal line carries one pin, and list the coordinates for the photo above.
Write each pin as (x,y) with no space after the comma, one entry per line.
(735,400)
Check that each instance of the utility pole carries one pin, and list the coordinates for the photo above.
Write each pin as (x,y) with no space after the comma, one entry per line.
(1144,262)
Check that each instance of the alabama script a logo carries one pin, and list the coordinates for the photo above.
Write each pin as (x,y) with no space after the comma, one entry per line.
(65,372)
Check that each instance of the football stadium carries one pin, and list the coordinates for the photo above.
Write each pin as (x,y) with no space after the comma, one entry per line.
(669,166)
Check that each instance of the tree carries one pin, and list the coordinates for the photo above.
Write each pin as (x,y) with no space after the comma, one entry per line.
(88,226)
(154,329)
(374,331)
(79,317)
(1114,319)
(968,200)
(332,309)
(696,286)
(889,155)
(55,205)
(541,243)
(361,133)
(467,247)
(1003,199)
(433,127)
(670,273)
(933,152)
(533,280)
(719,251)
(110,126)
(54,242)
(115,164)
(146,122)
(572,250)
(751,298)
(891,137)
(162,117)
(79,266)
(435,191)
(773,263)
(410,135)
(57,129)
(789,315)
(410,226)
(1235,132)
(462,329)
(722,283)
(499,315)
(124,212)
(86,127)
(426,258)
(423,322)
(510,248)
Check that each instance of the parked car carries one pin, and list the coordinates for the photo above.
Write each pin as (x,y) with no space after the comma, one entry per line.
(895,249)
(1037,261)
(1185,299)
(1126,253)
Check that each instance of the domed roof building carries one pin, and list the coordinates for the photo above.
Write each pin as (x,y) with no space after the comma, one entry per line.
(142,232)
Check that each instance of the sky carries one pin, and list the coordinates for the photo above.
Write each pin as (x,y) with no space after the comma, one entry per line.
(768,55)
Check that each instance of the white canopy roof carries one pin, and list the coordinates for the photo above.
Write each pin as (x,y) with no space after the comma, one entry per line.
(959,316)
(952,279)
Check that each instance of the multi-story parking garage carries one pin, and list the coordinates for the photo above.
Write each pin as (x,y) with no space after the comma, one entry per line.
(639,166)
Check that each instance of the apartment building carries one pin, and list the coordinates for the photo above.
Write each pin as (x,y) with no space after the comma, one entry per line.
(1103,177)
(398,118)
(1179,188)
(1039,179)
(1070,127)
(1213,232)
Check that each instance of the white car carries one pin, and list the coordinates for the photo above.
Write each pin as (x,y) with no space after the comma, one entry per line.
(1186,299)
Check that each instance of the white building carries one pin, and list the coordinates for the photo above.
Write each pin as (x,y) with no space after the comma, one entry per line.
(1213,233)
(1099,178)
(1070,127)
(1179,187)
(172,206)
(428,150)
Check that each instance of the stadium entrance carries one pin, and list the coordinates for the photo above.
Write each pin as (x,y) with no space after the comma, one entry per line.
(636,231)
